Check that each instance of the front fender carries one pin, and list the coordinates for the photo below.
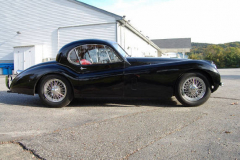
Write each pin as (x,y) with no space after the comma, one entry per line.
(206,68)
(26,82)
(174,70)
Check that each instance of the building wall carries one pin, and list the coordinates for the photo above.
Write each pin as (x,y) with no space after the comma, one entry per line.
(175,50)
(175,55)
(133,44)
(38,22)
(99,31)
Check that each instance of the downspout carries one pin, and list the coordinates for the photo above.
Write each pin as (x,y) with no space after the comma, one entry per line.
(58,39)
(116,32)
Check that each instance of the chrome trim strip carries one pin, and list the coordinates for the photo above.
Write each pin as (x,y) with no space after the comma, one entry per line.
(8,79)
(18,71)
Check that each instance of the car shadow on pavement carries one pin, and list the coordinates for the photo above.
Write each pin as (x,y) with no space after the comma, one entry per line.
(124,102)
(34,101)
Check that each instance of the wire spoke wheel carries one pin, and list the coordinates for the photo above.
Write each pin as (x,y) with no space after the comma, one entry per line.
(193,89)
(55,90)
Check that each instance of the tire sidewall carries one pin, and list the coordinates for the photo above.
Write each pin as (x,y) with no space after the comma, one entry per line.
(195,103)
(60,104)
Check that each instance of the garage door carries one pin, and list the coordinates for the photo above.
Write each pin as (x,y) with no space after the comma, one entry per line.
(23,57)
(100,31)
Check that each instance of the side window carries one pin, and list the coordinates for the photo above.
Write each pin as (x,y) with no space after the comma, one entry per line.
(72,57)
(103,55)
(93,54)
(112,55)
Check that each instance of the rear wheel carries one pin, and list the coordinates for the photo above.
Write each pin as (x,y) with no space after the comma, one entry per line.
(193,89)
(55,91)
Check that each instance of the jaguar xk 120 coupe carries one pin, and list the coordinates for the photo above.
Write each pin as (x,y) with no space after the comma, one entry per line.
(100,68)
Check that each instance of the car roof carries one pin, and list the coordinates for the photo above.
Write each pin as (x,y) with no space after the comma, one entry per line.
(65,49)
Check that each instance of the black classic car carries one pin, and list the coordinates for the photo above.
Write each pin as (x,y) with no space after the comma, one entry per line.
(100,68)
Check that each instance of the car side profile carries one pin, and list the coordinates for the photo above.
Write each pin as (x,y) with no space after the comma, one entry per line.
(100,68)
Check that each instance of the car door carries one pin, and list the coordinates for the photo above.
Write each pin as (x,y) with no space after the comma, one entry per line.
(100,71)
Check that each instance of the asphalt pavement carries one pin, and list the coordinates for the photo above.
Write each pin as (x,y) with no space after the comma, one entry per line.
(122,128)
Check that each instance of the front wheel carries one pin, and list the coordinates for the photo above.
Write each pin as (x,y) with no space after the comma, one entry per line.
(193,89)
(55,91)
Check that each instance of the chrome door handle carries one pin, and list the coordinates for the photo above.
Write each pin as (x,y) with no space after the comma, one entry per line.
(82,68)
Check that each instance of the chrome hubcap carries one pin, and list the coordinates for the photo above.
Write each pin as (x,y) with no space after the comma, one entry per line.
(193,89)
(55,90)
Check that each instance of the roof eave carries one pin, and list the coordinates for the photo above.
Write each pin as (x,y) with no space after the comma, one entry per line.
(117,17)
(134,30)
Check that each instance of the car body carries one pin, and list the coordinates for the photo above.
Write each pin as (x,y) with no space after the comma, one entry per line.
(100,68)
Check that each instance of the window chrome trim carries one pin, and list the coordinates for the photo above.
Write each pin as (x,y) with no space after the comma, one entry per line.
(107,53)
(77,56)
(68,57)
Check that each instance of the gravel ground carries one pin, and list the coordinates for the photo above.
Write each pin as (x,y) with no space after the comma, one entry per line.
(122,129)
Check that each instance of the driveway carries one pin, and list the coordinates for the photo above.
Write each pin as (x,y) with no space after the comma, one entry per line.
(122,129)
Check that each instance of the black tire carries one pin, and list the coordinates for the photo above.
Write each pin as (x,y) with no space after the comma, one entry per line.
(46,98)
(184,96)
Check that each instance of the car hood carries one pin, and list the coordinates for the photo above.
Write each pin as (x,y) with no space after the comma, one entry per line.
(147,60)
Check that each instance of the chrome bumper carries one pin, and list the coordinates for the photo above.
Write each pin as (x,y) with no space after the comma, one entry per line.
(8,81)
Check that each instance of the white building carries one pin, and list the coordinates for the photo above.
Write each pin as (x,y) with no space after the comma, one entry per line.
(174,48)
(33,31)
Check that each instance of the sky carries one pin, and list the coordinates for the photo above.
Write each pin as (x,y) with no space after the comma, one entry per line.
(205,21)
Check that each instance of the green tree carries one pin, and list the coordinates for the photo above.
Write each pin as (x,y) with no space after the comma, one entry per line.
(215,53)
(223,55)
(232,58)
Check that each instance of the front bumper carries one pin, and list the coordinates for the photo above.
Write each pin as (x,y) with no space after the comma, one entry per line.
(8,81)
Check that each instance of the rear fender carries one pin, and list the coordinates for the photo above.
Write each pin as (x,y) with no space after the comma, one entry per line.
(26,82)
(60,74)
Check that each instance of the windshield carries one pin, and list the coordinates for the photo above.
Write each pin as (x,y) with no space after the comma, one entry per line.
(121,50)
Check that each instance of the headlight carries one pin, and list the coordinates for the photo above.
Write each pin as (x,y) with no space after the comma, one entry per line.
(214,65)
